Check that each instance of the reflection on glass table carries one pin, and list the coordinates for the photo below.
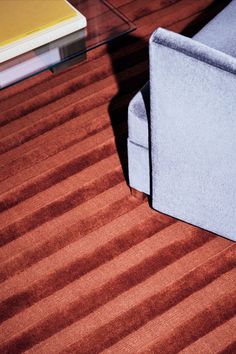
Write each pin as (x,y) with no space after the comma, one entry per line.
(104,24)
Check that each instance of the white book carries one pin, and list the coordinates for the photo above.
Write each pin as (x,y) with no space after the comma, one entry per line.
(44,36)
(29,67)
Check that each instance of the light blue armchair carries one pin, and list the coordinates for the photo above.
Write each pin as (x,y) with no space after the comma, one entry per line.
(182,127)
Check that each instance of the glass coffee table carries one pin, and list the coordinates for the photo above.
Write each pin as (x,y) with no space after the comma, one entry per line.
(104,24)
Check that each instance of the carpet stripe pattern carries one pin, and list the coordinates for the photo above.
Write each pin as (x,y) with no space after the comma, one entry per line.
(84,266)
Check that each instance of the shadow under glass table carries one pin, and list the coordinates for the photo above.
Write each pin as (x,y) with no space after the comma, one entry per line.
(104,24)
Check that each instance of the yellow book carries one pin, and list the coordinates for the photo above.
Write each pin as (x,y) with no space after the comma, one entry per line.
(28,24)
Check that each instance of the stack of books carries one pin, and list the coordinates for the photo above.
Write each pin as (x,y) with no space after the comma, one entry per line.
(27,28)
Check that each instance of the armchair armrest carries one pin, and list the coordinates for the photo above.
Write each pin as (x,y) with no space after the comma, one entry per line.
(193,130)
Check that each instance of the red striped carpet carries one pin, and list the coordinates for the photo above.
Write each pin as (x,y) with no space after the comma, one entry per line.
(85,267)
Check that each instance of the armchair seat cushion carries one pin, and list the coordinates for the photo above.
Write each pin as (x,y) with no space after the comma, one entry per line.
(220,33)
(139,114)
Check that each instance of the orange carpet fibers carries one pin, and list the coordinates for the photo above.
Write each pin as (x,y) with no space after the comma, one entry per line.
(84,266)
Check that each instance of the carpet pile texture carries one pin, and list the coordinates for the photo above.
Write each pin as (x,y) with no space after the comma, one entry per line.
(84,266)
